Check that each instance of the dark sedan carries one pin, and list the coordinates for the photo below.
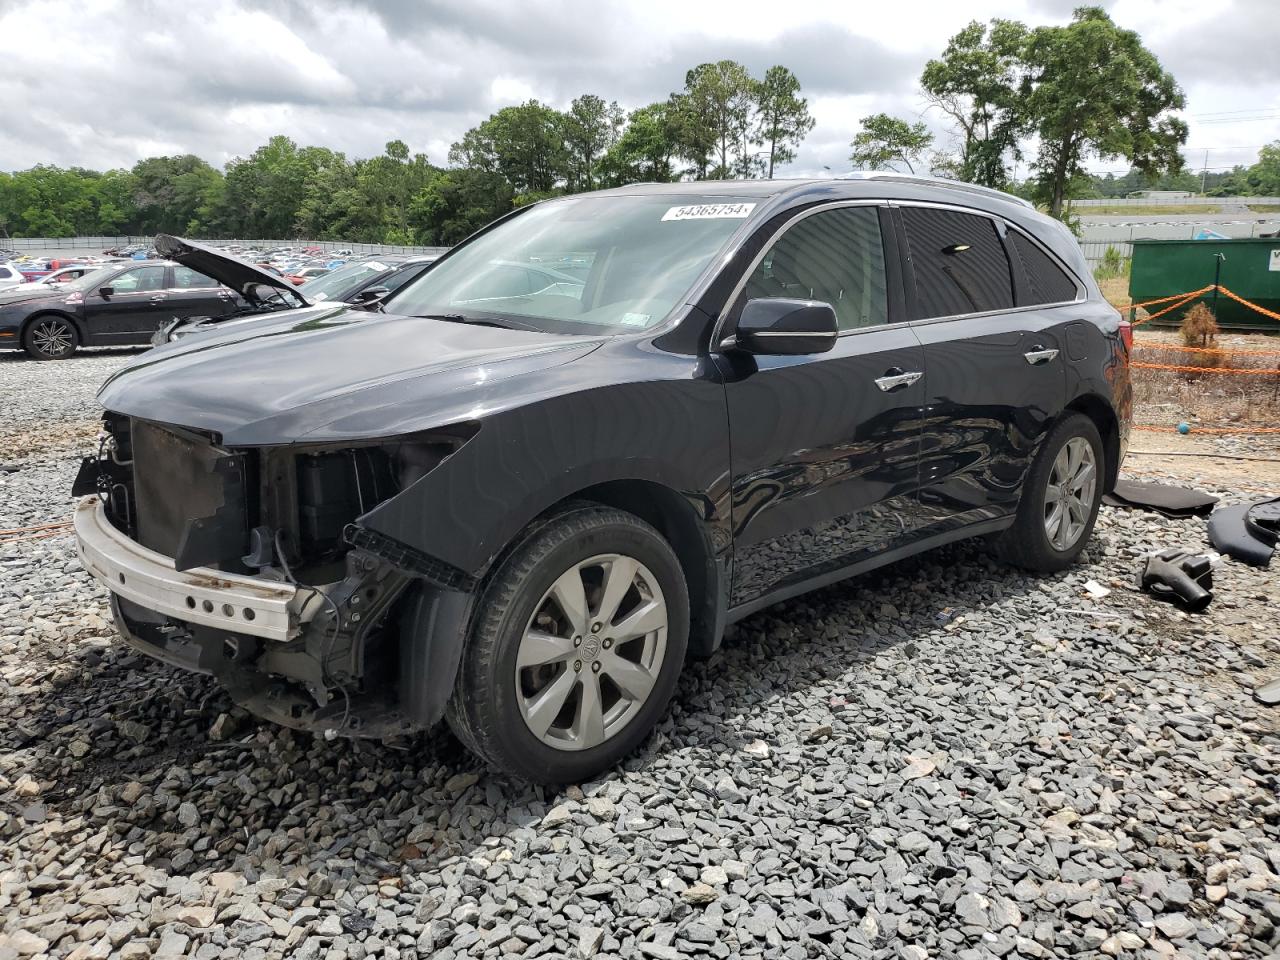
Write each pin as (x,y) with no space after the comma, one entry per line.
(117,305)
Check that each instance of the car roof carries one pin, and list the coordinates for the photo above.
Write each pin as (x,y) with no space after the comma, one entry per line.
(858,185)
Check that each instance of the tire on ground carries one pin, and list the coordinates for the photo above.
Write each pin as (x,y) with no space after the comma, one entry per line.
(45,334)
(1027,544)
(485,708)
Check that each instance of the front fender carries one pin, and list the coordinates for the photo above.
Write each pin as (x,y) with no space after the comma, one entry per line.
(523,461)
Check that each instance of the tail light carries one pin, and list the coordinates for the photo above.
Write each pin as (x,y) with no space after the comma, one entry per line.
(1126,334)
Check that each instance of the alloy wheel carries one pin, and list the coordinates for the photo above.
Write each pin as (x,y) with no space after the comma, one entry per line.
(591,653)
(1068,498)
(53,338)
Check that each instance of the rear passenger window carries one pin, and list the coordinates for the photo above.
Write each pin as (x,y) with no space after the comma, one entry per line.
(835,256)
(959,263)
(1046,281)
(184,278)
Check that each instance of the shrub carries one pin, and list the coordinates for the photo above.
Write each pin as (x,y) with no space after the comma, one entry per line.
(1199,327)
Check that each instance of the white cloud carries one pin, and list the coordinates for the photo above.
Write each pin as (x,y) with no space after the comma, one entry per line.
(123,79)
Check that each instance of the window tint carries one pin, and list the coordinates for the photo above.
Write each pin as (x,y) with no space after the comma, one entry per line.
(1046,281)
(835,256)
(139,280)
(401,277)
(959,262)
(184,278)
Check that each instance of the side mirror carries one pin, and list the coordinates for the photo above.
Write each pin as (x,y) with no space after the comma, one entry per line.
(369,296)
(785,327)
(106,291)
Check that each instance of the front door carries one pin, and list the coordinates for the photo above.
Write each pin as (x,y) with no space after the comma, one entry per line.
(995,362)
(825,448)
(133,309)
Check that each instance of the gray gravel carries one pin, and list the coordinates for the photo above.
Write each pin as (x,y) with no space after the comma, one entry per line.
(945,759)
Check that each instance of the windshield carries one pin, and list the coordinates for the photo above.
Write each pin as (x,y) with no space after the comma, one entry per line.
(343,282)
(616,262)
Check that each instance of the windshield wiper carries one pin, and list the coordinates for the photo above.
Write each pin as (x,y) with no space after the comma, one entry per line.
(479,321)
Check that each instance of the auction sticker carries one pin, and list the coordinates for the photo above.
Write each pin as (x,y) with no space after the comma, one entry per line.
(710,211)
(1274,265)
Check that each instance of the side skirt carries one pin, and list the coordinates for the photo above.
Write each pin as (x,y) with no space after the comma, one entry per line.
(870,563)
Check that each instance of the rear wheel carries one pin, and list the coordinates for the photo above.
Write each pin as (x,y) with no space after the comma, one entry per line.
(50,338)
(575,650)
(1060,499)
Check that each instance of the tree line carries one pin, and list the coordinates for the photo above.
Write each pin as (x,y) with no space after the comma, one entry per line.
(724,123)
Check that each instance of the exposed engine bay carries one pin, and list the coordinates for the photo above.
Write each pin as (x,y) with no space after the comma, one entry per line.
(243,525)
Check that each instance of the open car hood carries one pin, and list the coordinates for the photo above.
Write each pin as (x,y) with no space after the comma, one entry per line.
(240,275)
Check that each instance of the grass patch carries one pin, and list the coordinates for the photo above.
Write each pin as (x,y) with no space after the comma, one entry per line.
(1123,210)
(1265,207)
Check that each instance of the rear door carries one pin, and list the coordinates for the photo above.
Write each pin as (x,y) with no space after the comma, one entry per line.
(192,294)
(133,309)
(825,447)
(994,361)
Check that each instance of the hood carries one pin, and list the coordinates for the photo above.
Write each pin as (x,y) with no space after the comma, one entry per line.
(341,374)
(235,273)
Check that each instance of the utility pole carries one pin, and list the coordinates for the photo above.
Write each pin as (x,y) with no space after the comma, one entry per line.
(1205,172)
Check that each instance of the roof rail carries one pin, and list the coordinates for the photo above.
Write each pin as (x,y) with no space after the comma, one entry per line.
(935,181)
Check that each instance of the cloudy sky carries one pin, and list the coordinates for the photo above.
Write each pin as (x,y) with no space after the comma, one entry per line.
(102,84)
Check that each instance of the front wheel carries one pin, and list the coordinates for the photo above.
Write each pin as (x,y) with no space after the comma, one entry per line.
(1060,499)
(50,338)
(575,649)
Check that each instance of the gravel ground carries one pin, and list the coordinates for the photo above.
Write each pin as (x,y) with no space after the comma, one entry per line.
(944,759)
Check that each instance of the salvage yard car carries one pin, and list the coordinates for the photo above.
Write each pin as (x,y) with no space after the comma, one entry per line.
(521,508)
(125,304)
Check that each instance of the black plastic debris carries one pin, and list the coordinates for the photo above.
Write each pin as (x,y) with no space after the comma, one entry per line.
(1177,503)
(1247,532)
(1179,576)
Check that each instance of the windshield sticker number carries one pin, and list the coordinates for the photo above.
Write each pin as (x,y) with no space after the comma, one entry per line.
(710,211)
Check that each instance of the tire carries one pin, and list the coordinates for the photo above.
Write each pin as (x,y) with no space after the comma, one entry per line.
(1034,542)
(50,337)
(506,677)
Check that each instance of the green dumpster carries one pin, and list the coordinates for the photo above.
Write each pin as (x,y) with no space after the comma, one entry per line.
(1248,268)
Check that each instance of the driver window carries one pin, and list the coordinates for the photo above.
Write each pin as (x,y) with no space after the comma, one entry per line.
(139,281)
(837,257)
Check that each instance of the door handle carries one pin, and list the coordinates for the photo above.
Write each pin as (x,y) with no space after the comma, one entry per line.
(1038,355)
(158,298)
(894,378)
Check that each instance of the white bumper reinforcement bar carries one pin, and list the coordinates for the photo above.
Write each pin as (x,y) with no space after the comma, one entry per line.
(261,608)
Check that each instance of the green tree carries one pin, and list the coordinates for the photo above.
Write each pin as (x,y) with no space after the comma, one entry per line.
(782,116)
(885,140)
(976,84)
(646,150)
(714,119)
(524,144)
(1093,90)
(1263,178)
(453,204)
(168,193)
(591,128)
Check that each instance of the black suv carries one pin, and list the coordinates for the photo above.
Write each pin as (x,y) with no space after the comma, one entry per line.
(520,492)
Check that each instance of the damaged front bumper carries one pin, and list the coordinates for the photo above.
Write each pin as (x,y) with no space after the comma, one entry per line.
(210,598)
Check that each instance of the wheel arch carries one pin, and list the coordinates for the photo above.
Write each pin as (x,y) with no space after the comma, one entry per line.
(673,516)
(61,315)
(1104,418)
(436,622)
